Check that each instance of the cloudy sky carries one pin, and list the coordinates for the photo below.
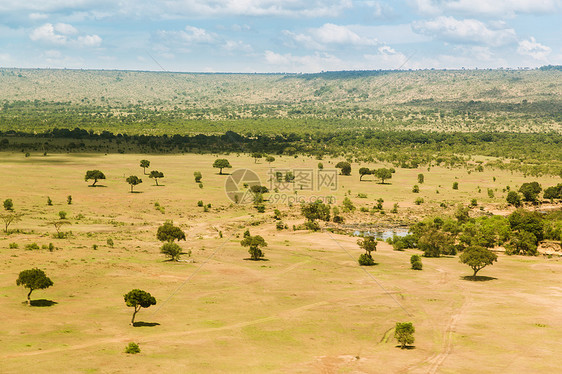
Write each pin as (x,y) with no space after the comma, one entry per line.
(279,35)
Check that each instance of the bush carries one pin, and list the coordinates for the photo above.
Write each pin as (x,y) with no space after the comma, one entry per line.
(312,225)
(279,225)
(200,203)
(419,201)
(366,260)
(14,246)
(338,219)
(416,189)
(8,204)
(31,246)
(49,201)
(473,202)
(455,185)
(132,348)
(62,214)
(260,208)
(416,262)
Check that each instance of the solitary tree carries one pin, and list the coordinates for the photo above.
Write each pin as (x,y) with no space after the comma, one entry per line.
(421,178)
(363,172)
(477,258)
(269,159)
(133,180)
(198,176)
(34,279)
(95,175)
(345,167)
(168,232)
(383,174)
(221,163)
(256,155)
(9,218)
(156,174)
(144,164)
(138,299)
(254,243)
(404,333)
(316,210)
(369,244)
(416,262)
(171,250)
(8,204)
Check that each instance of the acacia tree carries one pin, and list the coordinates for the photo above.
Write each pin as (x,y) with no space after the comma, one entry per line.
(345,167)
(9,218)
(404,333)
(363,172)
(155,174)
(138,299)
(383,174)
(34,279)
(144,164)
(95,175)
(254,243)
(167,233)
(256,155)
(477,257)
(221,163)
(133,180)
(369,244)
(269,159)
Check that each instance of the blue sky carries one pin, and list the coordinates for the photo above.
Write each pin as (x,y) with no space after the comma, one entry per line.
(279,35)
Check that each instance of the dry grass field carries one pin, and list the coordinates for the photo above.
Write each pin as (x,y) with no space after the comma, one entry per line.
(308,308)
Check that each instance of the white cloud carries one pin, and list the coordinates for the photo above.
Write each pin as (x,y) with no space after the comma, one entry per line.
(488,7)
(465,31)
(65,29)
(237,46)
(89,41)
(46,33)
(531,47)
(189,36)
(37,16)
(61,34)
(329,34)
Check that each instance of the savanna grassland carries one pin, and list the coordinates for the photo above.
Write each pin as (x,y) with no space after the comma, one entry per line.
(460,161)
(308,308)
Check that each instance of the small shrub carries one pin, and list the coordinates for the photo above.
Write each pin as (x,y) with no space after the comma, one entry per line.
(279,225)
(362,195)
(200,185)
(49,201)
(200,203)
(473,202)
(366,260)
(31,246)
(416,262)
(416,189)
(8,204)
(69,199)
(260,208)
(132,348)
(394,208)
(14,246)
(62,214)
(419,201)
(95,247)
(455,185)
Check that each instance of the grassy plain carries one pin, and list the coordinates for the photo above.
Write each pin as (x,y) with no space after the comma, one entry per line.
(308,308)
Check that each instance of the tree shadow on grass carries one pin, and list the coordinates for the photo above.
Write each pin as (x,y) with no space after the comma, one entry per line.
(145,324)
(406,347)
(260,259)
(478,278)
(97,185)
(135,191)
(42,302)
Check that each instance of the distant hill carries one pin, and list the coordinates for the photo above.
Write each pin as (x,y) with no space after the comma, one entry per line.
(461,100)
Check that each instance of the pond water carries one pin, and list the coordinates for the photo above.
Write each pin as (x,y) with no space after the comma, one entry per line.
(385,234)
